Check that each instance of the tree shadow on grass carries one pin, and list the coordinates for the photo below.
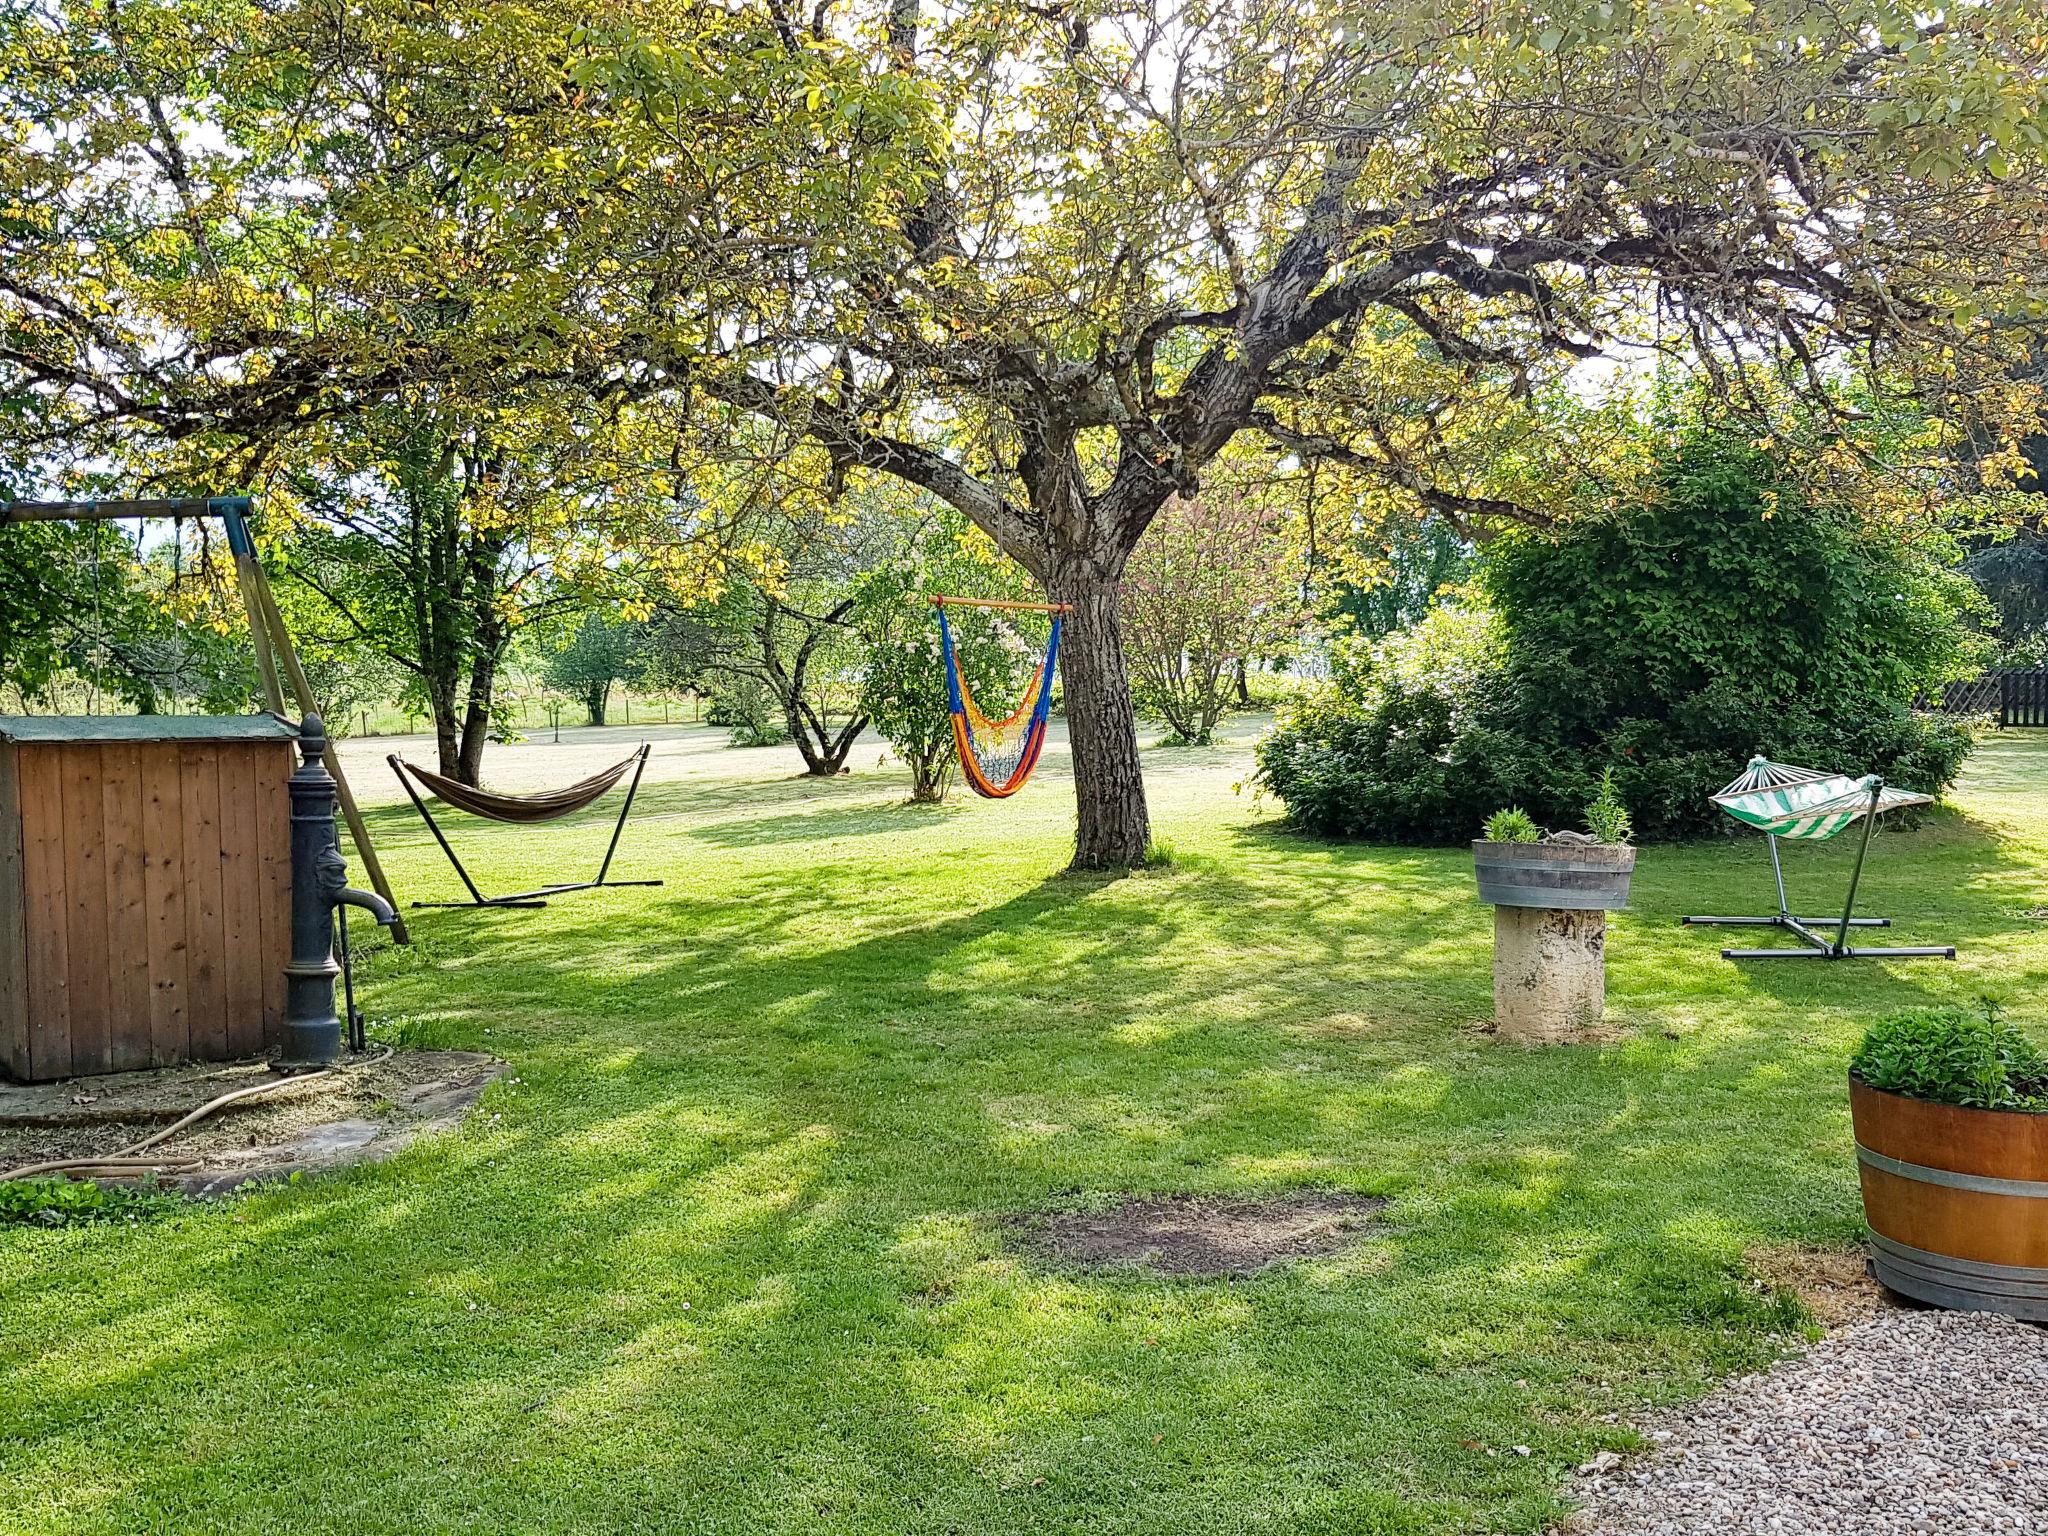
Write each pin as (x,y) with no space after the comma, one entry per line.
(866,819)
(580,1297)
(731,1258)
(1955,880)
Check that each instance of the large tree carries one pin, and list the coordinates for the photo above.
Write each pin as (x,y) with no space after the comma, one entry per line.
(437,544)
(1046,262)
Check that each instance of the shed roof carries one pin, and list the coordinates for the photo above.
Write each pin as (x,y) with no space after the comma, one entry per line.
(84,728)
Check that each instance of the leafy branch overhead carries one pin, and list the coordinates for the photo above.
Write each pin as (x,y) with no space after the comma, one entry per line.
(1045,263)
(1194,222)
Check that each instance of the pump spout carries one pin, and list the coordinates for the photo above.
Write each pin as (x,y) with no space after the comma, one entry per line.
(368,901)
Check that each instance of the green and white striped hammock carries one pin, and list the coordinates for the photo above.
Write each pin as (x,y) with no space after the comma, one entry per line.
(1782,801)
(1806,806)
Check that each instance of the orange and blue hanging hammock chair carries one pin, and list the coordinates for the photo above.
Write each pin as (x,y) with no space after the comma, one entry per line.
(997,756)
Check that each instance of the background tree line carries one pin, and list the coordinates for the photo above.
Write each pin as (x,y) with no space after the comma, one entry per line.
(434,282)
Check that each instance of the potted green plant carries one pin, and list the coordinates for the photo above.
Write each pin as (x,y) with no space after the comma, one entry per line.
(1551,896)
(1517,866)
(1950,1109)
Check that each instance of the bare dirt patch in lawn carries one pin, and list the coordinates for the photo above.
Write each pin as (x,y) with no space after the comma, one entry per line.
(362,1112)
(1200,1236)
(1834,1283)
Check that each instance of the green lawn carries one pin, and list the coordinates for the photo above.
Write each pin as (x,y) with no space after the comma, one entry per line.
(727,1254)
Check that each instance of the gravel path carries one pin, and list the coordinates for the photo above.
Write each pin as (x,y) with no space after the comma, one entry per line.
(1902,1424)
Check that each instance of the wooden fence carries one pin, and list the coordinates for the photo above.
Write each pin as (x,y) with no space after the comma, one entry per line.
(2016,697)
(2023,697)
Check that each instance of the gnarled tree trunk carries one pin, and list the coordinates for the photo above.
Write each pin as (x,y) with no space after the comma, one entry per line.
(824,751)
(1113,827)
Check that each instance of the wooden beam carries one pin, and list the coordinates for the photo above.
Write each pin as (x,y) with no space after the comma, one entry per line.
(302,690)
(114,511)
(990,602)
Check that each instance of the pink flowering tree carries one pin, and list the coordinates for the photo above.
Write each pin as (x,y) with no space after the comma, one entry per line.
(1213,587)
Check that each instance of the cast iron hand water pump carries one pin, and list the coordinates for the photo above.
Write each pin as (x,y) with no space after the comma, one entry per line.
(312,1029)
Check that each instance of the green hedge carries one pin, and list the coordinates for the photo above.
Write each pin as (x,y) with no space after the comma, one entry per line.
(1669,641)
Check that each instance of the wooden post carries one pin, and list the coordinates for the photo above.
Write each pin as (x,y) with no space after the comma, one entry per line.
(308,705)
(246,578)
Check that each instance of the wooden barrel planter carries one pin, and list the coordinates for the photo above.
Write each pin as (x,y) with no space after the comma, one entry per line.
(1956,1201)
(1550,905)
(1558,877)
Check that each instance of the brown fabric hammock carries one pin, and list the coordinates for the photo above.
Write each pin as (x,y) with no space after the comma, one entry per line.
(521,810)
(526,811)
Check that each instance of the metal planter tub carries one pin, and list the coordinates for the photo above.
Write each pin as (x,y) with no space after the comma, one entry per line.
(1566,877)
(1956,1201)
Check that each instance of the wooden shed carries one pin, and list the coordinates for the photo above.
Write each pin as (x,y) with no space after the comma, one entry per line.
(145,890)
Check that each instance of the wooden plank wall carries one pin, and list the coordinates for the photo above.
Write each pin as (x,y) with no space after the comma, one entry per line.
(14,1057)
(156,904)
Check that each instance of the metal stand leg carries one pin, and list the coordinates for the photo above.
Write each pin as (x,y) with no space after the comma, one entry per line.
(619,826)
(1783,917)
(1856,874)
(476,897)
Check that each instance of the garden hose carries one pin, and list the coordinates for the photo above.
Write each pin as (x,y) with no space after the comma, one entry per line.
(130,1160)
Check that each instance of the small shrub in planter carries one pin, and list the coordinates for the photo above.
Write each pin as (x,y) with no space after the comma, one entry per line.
(1607,819)
(1951,1116)
(1513,825)
(1517,866)
(1948,1056)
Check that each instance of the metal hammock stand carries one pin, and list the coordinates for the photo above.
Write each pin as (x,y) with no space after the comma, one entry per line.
(522,810)
(1780,800)
(997,756)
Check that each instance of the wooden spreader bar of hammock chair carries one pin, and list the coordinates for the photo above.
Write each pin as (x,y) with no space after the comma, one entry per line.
(990,602)
(522,810)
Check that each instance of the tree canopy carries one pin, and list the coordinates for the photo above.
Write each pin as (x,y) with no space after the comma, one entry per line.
(1047,263)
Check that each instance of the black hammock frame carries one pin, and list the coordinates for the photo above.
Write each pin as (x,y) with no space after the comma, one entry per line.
(537,897)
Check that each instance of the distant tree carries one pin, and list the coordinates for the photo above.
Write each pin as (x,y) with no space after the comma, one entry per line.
(785,640)
(2014,575)
(777,660)
(1419,557)
(73,601)
(438,543)
(1214,584)
(401,561)
(604,651)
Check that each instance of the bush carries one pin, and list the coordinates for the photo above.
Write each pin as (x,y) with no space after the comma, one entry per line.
(749,710)
(1949,1056)
(1667,642)
(1390,771)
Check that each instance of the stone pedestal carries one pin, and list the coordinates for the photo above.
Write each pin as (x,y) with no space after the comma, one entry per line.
(1549,973)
